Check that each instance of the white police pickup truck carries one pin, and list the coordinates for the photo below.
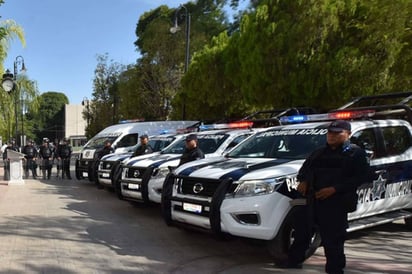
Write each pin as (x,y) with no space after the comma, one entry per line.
(109,164)
(142,179)
(251,191)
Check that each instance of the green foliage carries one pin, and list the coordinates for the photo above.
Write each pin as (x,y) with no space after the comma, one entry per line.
(277,53)
(8,31)
(104,107)
(312,53)
(49,121)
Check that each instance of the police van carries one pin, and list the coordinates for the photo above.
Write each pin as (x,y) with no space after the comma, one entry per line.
(251,191)
(123,137)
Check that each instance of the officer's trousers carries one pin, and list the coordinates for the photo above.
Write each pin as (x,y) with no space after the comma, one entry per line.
(29,165)
(65,165)
(47,165)
(332,220)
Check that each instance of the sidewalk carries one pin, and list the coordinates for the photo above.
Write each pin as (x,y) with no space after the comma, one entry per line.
(52,226)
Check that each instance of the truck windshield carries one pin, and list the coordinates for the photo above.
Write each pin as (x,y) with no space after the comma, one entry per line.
(98,142)
(208,143)
(281,143)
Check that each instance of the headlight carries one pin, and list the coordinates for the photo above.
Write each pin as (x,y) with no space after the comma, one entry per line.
(256,187)
(161,172)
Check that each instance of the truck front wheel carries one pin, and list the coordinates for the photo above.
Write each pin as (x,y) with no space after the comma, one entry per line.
(78,172)
(408,222)
(166,203)
(280,245)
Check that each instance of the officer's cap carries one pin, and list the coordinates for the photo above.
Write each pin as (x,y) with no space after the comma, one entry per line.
(339,126)
(191,137)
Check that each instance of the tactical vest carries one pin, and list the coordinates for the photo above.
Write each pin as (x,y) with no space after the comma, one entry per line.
(29,151)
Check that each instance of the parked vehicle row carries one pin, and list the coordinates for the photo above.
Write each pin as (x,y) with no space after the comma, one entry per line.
(246,186)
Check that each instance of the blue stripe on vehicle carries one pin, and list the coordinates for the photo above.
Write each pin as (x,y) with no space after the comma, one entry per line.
(161,162)
(132,162)
(238,173)
(189,170)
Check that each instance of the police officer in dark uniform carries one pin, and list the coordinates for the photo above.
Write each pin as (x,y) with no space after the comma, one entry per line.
(107,149)
(46,154)
(329,178)
(30,155)
(63,155)
(11,145)
(144,147)
(192,151)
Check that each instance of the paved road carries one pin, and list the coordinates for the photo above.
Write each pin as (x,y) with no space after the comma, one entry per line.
(62,226)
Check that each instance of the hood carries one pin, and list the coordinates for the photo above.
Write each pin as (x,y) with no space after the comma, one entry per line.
(240,168)
(151,160)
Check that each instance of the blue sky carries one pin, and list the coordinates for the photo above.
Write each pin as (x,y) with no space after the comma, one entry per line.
(63,39)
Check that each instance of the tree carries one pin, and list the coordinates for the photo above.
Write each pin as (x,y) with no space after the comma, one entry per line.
(8,31)
(208,85)
(163,53)
(49,122)
(104,106)
(312,53)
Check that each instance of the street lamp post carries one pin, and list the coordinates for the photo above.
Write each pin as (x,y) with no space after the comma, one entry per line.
(175,29)
(19,61)
(9,84)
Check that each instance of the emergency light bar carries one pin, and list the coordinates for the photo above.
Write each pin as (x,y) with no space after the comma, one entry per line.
(243,124)
(340,115)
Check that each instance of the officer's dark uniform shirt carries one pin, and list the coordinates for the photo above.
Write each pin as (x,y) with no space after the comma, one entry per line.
(191,155)
(106,150)
(64,151)
(344,168)
(46,151)
(143,149)
(29,151)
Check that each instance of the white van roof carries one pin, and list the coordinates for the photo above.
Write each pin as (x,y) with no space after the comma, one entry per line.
(150,128)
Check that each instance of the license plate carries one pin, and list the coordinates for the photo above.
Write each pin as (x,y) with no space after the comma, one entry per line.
(133,186)
(192,208)
(105,175)
(85,174)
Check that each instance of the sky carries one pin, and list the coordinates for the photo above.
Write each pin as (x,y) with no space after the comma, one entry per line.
(64,37)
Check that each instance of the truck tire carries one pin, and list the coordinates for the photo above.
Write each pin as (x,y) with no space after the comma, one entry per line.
(77,171)
(116,183)
(145,184)
(408,222)
(90,172)
(114,172)
(279,246)
(166,205)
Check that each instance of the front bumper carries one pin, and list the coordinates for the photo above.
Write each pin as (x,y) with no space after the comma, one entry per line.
(257,217)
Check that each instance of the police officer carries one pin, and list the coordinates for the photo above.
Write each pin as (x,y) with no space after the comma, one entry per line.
(192,151)
(30,155)
(46,153)
(327,177)
(144,147)
(11,145)
(63,155)
(107,149)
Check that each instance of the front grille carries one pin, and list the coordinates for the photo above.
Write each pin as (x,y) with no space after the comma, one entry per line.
(198,187)
(135,173)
